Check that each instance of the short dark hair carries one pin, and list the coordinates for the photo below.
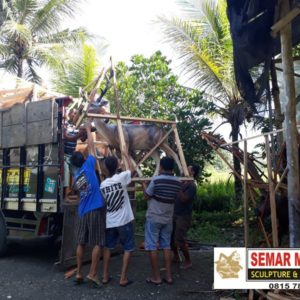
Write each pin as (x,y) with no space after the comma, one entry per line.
(77,159)
(111,163)
(195,169)
(167,163)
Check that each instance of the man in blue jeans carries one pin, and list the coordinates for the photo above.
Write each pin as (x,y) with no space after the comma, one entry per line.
(119,218)
(161,195)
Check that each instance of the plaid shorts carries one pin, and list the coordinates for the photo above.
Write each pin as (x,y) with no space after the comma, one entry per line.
(91,228)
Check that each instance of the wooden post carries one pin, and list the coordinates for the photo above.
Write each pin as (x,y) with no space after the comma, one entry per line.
(246,225)
(94,150)
(123,147)
(272,194)
(291,129)
(180,151)
(277,107)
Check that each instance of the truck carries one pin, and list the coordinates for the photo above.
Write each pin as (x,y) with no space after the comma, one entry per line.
(32,203)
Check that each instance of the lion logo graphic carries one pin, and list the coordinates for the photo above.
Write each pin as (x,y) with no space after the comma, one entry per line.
(229,266)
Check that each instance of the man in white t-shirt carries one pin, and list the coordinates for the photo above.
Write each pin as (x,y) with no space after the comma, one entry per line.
(119,218)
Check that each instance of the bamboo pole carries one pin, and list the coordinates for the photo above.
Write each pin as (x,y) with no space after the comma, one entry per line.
(149,178)
(285,20)
(123,147)
(276,99)
(261,224)
(281,179)
(272,195)
(292,146)
(180,151)
(114,117)
(223,158)
(246,224)
(254,137)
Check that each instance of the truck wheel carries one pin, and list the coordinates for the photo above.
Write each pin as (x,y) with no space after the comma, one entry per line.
(3,235)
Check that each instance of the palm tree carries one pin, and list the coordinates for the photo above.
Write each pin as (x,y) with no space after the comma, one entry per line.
(31,35)
(78,70)
(205,49)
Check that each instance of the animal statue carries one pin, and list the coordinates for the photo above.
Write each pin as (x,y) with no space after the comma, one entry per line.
(137,137)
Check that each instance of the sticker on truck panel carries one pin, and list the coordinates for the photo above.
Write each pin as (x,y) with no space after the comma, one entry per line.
(13,176)
(50,185)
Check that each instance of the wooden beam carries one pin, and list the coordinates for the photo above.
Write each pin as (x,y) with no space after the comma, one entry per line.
(261,224)
(251,295)
(274,296)
(123,118)
(272,194)
(279,60)
(100,143)
(123,147)
(15,91)
(281,179)
(246,208)
(180,151)
(149,178)
(281,70)
(254,137)
(285,20)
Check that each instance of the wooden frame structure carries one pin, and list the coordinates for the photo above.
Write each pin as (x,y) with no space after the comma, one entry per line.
(124,154)
(118,118)
(271,185)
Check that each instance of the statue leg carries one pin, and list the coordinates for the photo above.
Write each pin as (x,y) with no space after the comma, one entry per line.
(171,153)
(156,158)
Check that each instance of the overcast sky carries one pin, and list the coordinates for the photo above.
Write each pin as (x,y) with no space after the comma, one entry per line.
(126,25)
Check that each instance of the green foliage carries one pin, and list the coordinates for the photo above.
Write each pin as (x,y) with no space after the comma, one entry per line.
(215,196)
(78,70)
(205,48)
(31,35)
(206,233)
(148,88)
(220,219)
(221,227)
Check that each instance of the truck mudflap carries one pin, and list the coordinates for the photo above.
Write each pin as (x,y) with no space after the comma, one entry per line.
(67,256)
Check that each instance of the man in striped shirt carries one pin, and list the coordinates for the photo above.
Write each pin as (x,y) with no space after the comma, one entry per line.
(71,135)
(161,195)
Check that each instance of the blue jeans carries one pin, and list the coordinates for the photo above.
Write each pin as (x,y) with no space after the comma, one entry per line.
(157,233)
(123,234)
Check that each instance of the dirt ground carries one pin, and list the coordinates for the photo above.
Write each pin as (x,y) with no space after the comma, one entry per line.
(194,283)
(28,272)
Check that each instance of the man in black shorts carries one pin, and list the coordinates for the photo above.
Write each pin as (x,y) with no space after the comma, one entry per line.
(91,210)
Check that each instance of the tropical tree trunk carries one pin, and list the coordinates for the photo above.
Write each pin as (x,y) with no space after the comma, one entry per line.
(292,146)
(238,189)
(20,68)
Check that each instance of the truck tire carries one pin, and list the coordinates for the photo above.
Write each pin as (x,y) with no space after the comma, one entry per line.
(3,235)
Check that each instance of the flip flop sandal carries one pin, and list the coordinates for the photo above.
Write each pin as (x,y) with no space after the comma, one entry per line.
(150,281)
(168,281)
(107,281)
(78,280)
(126,284)
(94,283)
